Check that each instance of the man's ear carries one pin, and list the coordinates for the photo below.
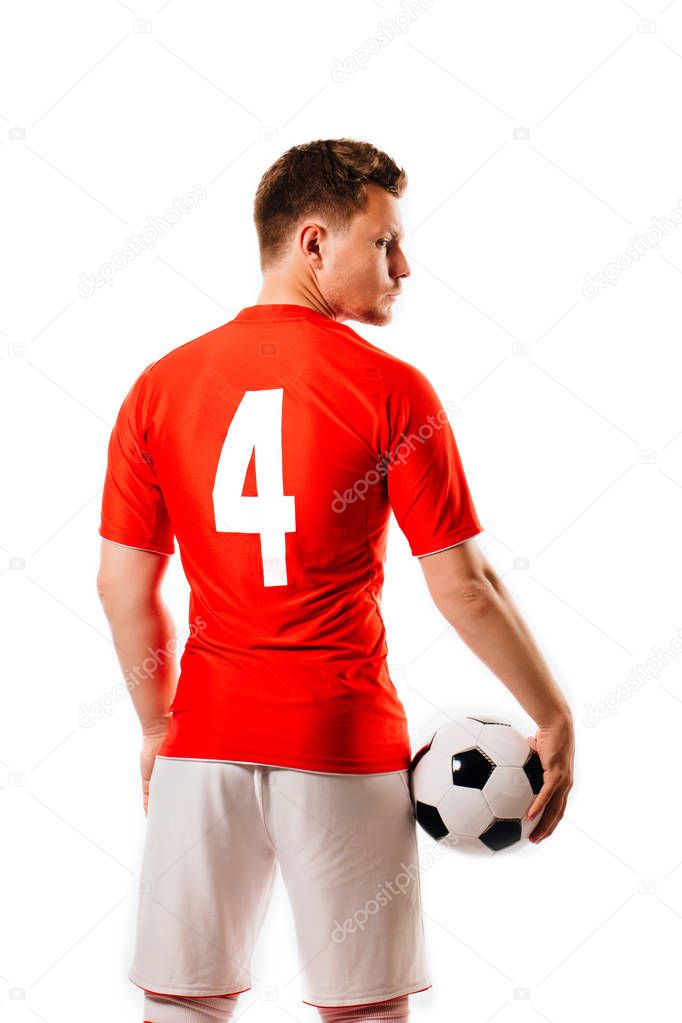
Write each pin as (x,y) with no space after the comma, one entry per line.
(313,239)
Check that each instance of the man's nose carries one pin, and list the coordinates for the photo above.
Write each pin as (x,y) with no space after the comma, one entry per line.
(402,267)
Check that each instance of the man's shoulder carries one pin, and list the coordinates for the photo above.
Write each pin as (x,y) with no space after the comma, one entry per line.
(396,372)
(184,352)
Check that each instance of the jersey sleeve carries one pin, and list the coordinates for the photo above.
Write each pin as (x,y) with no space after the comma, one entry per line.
(133,510)
(427,487)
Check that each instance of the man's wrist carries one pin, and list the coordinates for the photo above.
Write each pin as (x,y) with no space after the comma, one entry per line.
(558,718)
(157,727)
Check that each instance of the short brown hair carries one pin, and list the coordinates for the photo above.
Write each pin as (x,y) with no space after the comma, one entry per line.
(327,176)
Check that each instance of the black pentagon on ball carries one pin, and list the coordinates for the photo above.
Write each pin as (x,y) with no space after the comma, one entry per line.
(533,769)
(471,768)
(430,820)
(502,833)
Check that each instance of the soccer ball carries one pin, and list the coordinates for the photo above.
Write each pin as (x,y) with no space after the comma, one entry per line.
(473,782)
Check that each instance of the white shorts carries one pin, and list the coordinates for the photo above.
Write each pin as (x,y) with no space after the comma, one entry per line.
(347,849)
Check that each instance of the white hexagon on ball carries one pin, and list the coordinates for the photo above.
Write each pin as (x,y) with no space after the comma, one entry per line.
(508,792)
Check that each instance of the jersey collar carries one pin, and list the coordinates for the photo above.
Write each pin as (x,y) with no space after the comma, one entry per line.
(272,312)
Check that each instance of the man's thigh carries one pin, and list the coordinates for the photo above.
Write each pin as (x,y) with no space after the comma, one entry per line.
(207,874)
(347,849)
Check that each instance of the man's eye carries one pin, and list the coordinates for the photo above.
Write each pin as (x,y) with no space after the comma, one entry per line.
(387,240)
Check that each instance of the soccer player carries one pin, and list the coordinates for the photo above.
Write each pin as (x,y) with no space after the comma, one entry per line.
(273,449)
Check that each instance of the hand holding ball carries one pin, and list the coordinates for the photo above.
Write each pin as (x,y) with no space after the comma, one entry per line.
(472,784)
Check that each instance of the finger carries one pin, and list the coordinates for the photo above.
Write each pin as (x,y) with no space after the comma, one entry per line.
(542,830)
(546,827)
(541,800)
(549,819)
(541,810)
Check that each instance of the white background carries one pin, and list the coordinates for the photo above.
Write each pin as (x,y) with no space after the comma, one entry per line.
(569,426)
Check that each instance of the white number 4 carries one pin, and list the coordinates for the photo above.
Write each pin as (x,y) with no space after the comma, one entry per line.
(256,426)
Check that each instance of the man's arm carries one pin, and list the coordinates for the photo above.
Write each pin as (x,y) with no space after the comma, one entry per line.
(470,595)
(129,587)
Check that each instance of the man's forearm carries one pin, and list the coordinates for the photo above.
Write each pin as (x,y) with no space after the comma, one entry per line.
(142,631)
(492,627)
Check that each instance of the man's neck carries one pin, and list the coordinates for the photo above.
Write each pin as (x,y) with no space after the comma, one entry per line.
(278,291)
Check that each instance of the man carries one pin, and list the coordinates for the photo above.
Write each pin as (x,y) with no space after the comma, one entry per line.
(274,449)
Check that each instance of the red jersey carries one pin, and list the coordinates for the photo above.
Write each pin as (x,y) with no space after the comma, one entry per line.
(273,448)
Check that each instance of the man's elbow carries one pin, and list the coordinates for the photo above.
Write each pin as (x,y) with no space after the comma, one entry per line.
(120,595)
(102,586)
(471,601)
(462,582)
(109,592)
